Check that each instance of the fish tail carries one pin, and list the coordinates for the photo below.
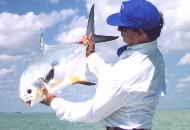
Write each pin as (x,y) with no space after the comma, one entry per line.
(101,38)
(91,30)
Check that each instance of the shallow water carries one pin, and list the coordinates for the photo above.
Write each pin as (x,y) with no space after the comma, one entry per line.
(172,120)
(164,120)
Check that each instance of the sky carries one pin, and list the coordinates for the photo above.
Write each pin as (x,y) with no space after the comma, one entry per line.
(23,21)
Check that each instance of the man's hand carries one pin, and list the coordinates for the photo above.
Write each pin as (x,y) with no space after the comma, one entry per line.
(48,97)
(91,44)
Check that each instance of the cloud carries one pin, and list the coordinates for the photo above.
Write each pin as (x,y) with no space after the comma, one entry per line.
(176,33)
(5,58)
(76,28)
(20,31)
(184,83)
(185,60)
(5,71)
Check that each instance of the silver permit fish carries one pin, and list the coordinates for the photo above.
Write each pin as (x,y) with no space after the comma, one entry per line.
(57,67)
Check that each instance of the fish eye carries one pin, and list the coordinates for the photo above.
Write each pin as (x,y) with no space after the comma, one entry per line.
(29,91)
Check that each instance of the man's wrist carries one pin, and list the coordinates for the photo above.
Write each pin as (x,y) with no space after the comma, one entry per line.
(89,52)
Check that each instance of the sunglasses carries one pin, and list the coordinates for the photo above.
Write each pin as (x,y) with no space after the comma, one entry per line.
(123,29)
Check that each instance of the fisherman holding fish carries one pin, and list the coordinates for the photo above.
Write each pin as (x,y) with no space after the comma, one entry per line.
(127,92)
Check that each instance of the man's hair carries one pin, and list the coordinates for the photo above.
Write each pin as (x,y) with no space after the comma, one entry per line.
(153,34)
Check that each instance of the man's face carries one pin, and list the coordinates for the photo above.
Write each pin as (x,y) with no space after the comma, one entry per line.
(129,35)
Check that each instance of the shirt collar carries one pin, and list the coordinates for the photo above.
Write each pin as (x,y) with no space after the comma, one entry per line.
(138,48)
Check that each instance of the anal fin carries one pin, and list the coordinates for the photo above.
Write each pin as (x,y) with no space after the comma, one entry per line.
(76,79)
(85,82)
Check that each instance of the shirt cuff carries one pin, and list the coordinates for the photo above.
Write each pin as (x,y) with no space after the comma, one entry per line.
(55,103)
(92,58)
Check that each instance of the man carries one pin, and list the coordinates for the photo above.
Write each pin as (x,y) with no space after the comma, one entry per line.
(128,92)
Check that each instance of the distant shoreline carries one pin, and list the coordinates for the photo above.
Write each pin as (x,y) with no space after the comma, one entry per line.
(170,109)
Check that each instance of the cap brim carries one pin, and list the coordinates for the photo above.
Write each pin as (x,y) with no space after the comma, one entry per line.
(114,20)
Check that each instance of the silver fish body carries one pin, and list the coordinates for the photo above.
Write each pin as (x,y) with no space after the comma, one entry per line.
(65,65)
(58,66)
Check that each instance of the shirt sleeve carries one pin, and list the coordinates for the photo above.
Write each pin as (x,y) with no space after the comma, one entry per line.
(109,98)
(96,65)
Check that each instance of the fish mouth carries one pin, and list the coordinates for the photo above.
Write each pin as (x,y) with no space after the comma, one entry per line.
(28,102)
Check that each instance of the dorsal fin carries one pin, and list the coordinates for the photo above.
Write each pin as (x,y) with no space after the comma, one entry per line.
(42,43)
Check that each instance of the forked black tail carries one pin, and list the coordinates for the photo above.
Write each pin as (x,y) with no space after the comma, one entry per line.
(91,30)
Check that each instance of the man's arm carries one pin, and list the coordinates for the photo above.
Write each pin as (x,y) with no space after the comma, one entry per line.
(108,99)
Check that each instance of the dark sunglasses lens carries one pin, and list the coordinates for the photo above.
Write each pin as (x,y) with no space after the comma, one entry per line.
(120,28)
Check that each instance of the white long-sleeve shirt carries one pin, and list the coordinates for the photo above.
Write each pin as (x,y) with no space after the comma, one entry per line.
(127,93)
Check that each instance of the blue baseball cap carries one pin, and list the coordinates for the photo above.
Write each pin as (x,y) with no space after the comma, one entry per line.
(137,14)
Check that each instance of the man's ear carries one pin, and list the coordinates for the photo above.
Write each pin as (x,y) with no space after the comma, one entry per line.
(141,33)
(142,36)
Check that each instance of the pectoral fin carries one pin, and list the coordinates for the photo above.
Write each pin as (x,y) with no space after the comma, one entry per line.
(49,76)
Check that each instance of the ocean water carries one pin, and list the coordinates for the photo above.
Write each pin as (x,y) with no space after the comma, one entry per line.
(164,120)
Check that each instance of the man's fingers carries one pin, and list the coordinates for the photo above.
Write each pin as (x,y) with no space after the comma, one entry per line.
(46,93)
(86,40)
(44,90)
